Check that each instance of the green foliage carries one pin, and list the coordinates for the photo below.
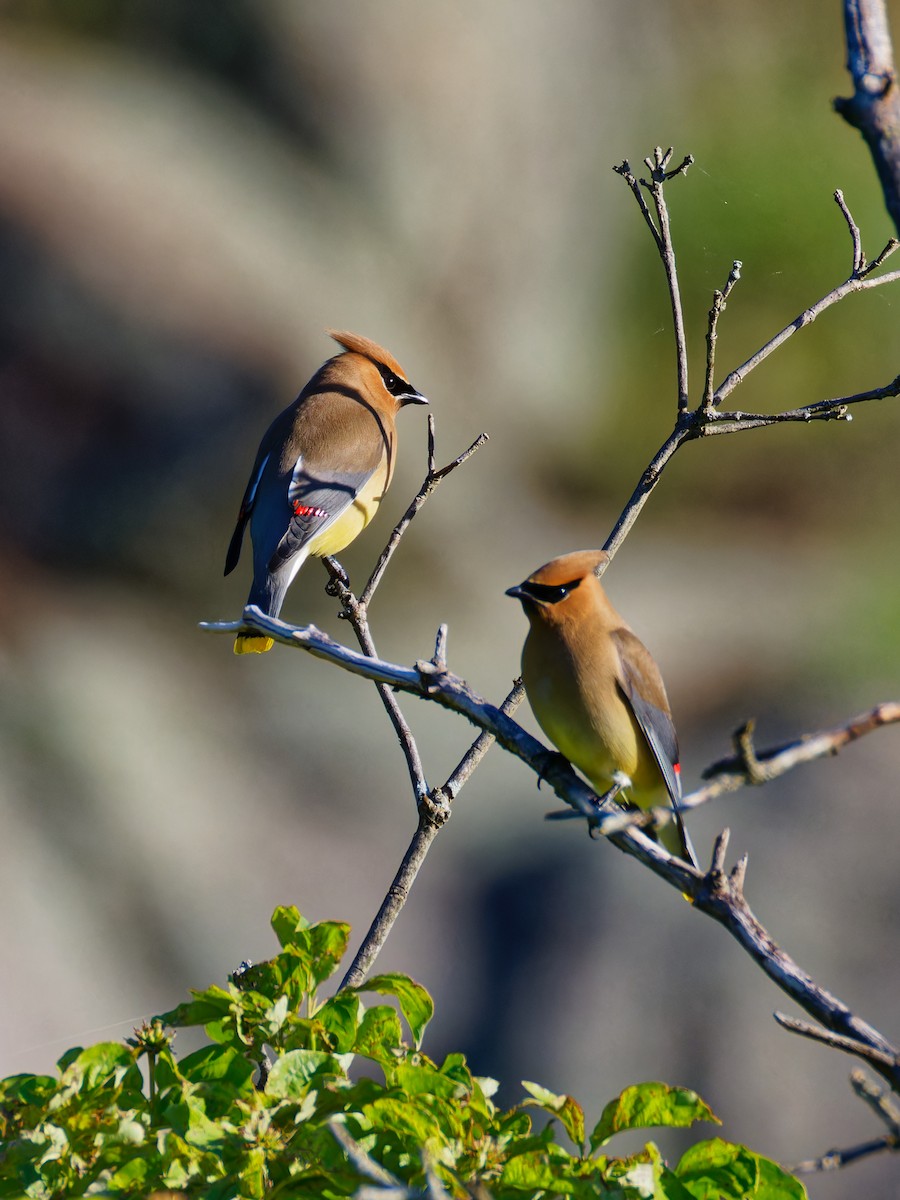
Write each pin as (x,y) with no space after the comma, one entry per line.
(270,1108)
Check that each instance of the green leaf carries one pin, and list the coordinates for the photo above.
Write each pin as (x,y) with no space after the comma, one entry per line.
(421,1079)
(28,1089)
(99,1065)
(292,1074)
(289,926)
(406,1122)
(569,1111)
(379,1034)
(529,1172)
(219,1064)
(130,1178)
(339,1018)
(415,1003)
(648,1104)
(777,1184)
(718,1170)
(215,1003)
(328,944)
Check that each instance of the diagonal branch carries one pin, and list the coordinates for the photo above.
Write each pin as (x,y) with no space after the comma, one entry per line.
(837,1041)
(432,816)
(719,895)
(432,479)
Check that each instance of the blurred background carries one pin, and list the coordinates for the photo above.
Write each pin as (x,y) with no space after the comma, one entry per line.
(191,191)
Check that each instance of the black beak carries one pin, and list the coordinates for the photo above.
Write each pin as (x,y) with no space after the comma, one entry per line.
(412,397)
(517,592)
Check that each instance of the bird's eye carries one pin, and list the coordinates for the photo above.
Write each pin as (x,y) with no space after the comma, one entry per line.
(395,385)
(547,593)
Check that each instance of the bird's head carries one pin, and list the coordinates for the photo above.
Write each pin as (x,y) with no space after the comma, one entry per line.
(554,589)
(370,364)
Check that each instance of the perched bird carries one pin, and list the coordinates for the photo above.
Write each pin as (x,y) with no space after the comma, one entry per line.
(596,691)
(321,471)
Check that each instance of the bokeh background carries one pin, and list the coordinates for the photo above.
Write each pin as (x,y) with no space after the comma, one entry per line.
(190,191)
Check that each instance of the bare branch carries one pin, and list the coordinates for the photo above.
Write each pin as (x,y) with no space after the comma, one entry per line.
(397,895)
(836,1041)
(683,432)
(624,169)
(718,895)
(705,420)
(834,1159)
(882,1104)
(859,259)
(658,165)
(432,816)
(729,774)
(659,177)
(884,1108)
(355,611)
(718,307)
(874,108)
(723,899)
(821,410)
(432,479)
(855,283)
(439,658)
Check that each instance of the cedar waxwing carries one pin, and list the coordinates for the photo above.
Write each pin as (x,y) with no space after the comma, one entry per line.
(321,471)
(596,691)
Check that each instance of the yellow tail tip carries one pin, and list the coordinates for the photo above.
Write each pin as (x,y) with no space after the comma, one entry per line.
(251,643)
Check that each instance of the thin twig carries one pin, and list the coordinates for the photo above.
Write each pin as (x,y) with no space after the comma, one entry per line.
(854,283)
(729,774)
(723,899)
(429,486)
(659,176)
(355,611)
(431,817)
(661,230)
(393,902)
(882,1104)
(718,307)
(836,1041)
(683,432)
(624,169)
(833,1159)
(859,259)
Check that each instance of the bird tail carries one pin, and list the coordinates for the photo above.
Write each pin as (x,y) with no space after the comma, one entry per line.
(267,593)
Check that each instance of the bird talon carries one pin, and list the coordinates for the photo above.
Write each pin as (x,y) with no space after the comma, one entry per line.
(550,761)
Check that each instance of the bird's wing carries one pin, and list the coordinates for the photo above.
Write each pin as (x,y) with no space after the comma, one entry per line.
(318,499)
(234,546)
(640,683)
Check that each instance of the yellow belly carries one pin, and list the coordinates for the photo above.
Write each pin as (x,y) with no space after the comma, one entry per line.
(352,521)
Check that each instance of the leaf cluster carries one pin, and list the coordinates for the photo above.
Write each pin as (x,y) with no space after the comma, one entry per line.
(297,1097)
